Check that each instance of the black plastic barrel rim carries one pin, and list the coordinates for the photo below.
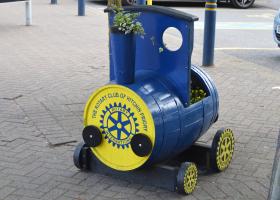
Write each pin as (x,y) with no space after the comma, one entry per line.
(92,136)
(141,145)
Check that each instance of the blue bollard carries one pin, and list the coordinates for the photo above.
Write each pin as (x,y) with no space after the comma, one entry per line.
(53,1)
(209,32)
(81,7)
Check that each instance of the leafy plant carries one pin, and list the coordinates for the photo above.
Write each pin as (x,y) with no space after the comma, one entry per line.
(197,94)
(155,43)
(127,22)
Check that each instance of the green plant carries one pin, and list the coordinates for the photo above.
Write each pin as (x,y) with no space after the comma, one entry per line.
(197,94)
(127,22)
(155,43)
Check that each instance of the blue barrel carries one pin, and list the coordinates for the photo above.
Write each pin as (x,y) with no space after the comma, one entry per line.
(177,126)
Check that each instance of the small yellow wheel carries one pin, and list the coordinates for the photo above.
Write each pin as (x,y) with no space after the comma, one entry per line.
(222,149)
(187,178)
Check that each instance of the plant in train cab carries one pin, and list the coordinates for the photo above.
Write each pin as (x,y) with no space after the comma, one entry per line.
(197,94)
(126,22)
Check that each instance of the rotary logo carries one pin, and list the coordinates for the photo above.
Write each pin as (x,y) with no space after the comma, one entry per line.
(118,125)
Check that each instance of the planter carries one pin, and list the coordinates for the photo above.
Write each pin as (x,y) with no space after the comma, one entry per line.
(123,55)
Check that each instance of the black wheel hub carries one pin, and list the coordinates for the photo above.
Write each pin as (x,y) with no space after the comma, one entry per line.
(141,145)
(92,136)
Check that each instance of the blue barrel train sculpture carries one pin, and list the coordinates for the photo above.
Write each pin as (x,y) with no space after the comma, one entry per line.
(148,116)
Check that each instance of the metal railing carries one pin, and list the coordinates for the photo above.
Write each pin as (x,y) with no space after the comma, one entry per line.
(28,10)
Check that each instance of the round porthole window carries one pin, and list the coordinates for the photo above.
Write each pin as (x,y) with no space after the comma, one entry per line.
(172,39)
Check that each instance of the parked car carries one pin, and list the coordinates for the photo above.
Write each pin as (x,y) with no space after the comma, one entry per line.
(243,4)
(236,3)
(276,28)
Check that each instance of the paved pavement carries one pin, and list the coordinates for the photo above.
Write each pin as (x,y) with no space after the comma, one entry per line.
(47,72)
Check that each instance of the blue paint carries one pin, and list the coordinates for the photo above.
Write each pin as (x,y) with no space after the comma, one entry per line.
(163,81)
(209,34)
(123,57)
(172,66)
(81,7)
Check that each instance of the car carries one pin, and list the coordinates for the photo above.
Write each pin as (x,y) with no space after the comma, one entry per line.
(276,28)
(242,4)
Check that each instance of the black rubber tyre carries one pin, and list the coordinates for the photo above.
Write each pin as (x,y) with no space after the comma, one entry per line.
(141,145)
(80,156)
(92,136)
(187,178)
(222,150)
(242,4)
(127,2)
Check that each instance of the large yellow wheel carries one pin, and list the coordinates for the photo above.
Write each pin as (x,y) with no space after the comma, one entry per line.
(187,178)
(119,127)
(222,149)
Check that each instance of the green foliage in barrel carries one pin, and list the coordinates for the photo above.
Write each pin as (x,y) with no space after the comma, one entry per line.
(126,22)
(197,94)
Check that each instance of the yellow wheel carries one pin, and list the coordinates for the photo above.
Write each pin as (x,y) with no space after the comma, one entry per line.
(187,178)
(119,127)
(222,149)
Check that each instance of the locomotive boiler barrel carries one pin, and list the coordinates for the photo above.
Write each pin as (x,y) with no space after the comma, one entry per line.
(145,122)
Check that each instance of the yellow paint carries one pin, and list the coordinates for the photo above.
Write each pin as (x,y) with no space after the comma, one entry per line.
(190,178)
(225,149)
(211,9)
(119,113)
(208,3)
(149,2)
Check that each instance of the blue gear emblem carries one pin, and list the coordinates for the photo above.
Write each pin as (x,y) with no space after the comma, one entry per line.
(118,125)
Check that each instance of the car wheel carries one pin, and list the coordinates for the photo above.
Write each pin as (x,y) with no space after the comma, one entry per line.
(243,4)
(127,2)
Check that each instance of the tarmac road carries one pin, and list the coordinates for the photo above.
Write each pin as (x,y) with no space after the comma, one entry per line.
(242,33)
